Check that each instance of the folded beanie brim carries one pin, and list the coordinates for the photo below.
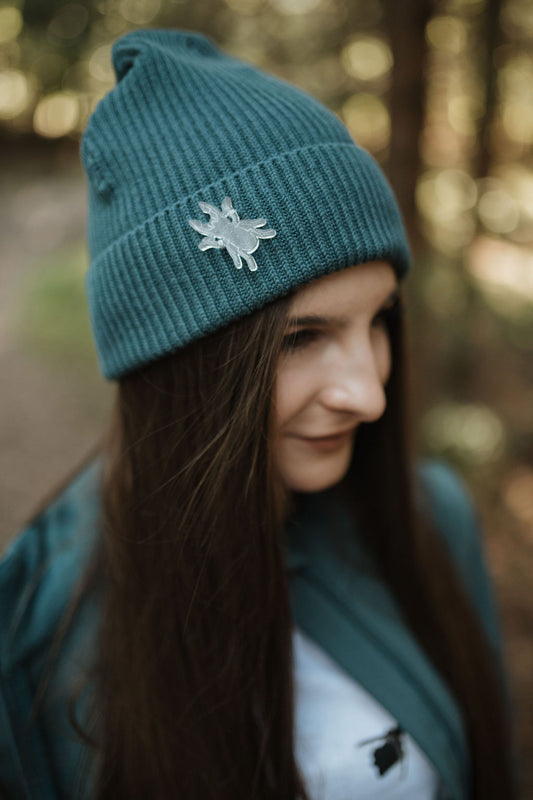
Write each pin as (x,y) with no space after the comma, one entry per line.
(153,290)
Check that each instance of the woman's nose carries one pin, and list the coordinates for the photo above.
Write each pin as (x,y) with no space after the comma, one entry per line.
(356,386)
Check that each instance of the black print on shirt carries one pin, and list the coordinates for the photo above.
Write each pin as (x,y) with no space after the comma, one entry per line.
(390,752)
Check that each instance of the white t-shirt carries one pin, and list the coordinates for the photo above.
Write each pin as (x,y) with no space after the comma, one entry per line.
(333,715)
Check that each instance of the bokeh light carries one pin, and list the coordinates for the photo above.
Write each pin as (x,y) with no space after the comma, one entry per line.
(293,7)
(367,58)
(10,23)
(447,33)
(471,431)
(139,12)
(504,272)
(368,120)
(515,82)
(56,114)
(498,211)
(100,65)
(445,199)
(15,93)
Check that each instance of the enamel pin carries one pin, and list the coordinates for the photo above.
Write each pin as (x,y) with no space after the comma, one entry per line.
(240,237)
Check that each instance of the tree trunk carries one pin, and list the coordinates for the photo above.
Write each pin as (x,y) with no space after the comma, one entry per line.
(405,24)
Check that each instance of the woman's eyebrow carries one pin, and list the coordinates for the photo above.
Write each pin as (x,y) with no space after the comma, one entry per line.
(319,319)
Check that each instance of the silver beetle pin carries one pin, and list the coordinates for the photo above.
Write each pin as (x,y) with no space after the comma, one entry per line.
(240,237)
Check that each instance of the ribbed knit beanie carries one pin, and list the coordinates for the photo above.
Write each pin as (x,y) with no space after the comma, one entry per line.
(214,188)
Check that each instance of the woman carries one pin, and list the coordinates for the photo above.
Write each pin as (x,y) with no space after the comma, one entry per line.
(254,590)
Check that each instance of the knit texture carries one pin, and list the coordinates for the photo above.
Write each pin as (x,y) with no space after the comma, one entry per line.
(187,123)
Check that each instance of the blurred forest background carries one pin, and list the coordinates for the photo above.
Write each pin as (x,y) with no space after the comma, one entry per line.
(441,93)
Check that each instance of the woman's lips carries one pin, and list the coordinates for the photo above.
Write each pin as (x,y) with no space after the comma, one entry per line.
(327,443)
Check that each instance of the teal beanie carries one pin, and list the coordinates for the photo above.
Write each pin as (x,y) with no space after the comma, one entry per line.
(214,188)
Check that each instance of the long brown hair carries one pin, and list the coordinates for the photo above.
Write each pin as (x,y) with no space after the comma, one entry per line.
(193,672)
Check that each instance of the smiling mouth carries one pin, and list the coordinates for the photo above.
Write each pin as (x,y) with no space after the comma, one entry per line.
(332,437)
(327,442)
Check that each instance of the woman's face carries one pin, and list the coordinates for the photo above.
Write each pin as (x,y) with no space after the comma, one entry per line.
(332,372)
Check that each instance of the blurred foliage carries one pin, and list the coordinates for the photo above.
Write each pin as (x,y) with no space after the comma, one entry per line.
(51,318)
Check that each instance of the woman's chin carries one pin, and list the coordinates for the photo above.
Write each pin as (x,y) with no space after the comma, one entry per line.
(316,473)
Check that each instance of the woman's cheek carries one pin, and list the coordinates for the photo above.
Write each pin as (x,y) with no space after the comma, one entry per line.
(384,357)
(293,389)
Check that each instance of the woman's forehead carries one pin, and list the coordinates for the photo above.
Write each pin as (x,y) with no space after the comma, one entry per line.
(364,284)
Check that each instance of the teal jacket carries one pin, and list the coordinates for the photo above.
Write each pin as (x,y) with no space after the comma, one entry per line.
(339,602)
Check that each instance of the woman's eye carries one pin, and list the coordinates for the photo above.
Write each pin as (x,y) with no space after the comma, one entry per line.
(386,314)
(298,339)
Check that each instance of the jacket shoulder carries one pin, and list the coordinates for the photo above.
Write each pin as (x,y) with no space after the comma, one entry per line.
(42,564)
(38,575)
(445,495)
(459,522)
(451,505)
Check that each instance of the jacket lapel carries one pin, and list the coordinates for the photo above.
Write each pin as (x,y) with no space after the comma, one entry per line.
(338,600)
